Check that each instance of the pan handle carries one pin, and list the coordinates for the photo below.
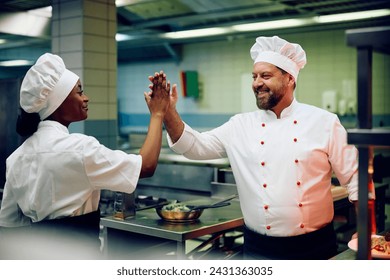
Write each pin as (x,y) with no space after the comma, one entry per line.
(215,205)
(227,198)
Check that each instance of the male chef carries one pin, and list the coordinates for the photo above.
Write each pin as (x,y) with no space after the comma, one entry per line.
(282,156)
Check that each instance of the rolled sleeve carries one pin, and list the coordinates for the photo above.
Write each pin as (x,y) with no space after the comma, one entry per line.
(185,141)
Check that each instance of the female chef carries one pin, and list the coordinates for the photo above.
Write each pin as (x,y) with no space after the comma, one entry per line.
(53,180)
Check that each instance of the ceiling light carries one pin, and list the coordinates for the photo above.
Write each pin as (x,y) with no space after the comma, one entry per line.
(121,3)
(352,16)
(276,24)
(20,62)
(122,37)
(44,12)
(196,33)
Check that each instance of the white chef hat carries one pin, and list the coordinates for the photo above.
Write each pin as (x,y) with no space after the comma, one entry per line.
(46,85)
(277,51)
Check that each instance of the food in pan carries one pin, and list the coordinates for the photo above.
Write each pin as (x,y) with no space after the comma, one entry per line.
(176,207)
(178,213)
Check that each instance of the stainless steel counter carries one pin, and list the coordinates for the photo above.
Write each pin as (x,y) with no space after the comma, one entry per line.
(146,231)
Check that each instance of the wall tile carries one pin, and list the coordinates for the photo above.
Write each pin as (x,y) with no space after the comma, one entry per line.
(70,43)
(94,43)
(95,60)
(70,26)
(98,111)
(95,9)
(96,94)
(95,26)
(96,77)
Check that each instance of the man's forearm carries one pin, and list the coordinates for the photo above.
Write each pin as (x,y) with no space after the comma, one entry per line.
(173,124)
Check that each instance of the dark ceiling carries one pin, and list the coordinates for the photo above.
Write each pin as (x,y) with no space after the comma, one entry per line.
(144,20)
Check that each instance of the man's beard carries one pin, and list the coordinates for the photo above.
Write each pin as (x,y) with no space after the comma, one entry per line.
(270,100)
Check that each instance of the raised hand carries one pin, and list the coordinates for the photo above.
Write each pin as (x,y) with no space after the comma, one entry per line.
(158,98)
(154,86)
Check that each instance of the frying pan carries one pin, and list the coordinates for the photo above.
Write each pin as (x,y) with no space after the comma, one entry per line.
(185,213)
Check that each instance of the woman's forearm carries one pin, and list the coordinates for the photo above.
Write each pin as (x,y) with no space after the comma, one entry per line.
(151,148)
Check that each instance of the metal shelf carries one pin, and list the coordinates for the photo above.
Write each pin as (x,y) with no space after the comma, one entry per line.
(366,41)
(369,137)
(373,37)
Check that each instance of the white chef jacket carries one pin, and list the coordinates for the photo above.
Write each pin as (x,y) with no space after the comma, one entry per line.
(55,174)
(282,167)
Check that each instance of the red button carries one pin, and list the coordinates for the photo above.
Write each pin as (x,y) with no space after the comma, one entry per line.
(302,225)
(268,227)
(300,204)
(265,207)
(262,163)
(263,124)
(264,185)
(295,139)
(262,142)
(295,122)
(298,183)
(296,161)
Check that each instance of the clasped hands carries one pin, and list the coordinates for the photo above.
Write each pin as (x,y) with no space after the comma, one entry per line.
(159,97)
(161,88)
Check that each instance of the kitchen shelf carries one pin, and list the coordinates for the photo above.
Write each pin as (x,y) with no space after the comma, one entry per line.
(366,41)
(375,38)
(369,137)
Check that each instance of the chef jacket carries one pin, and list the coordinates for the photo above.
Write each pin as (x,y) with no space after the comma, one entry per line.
(282,167)
(55,174)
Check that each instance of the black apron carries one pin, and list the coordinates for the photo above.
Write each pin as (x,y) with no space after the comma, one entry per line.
(65,238)
(317,245)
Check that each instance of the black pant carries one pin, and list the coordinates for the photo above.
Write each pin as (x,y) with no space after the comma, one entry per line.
(65,238)
(318,245)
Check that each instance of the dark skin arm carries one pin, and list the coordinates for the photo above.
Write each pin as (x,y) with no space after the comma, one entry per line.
(158,102)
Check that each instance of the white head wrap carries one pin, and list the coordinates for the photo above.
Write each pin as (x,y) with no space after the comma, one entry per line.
(46,85)
(287,56)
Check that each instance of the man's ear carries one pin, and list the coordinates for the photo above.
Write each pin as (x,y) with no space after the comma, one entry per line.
(291,80)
